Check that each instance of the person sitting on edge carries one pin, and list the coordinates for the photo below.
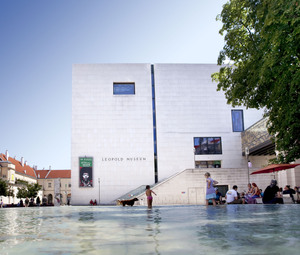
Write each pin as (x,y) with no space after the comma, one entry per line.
(288,190)
(232,196)
(255,191)
(250,189)
(149,196)
(261,193)
(218,196)
(297,194)
(272,194)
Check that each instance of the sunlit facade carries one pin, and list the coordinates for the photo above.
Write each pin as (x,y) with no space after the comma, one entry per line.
(137,124)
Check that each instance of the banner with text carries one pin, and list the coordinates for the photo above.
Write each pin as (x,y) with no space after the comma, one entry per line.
(85,172)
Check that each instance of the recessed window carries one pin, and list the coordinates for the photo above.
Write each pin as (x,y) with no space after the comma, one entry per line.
(208,164)
(207,145)
(124,88)
(49,184)
(237,120)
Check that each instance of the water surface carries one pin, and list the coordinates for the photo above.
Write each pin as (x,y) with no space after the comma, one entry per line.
(231,229)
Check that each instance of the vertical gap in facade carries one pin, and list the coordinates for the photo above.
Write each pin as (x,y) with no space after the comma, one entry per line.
(154,124)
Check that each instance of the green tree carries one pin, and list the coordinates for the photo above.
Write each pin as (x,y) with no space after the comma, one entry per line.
(3,188)
(10,192)
(32,189)
(22,192)
(262,47)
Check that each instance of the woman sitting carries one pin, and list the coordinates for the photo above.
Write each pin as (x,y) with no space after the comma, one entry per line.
(255,191)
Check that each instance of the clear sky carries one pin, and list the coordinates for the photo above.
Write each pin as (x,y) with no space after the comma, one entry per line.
(40,40)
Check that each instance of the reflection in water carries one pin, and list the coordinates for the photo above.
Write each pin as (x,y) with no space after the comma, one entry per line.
(232,229)
(153,224)
(86,231)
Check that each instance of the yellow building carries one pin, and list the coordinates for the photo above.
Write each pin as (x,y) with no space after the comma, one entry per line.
(15,172)
(56,185)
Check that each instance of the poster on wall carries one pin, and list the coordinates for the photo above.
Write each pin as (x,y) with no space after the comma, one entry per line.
(85,172)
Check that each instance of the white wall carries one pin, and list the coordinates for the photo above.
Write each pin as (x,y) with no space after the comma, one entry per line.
(188,106)
(189,186)
(106,126)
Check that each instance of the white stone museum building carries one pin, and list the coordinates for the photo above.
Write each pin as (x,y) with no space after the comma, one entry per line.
(140,124)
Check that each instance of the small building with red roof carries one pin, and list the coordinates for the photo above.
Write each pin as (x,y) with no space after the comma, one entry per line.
(56,185)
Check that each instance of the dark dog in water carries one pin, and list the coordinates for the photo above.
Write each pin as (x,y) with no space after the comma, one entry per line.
(129,202)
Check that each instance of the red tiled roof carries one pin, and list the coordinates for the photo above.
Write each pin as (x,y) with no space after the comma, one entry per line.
(41,174)
(18,166)
(54,174)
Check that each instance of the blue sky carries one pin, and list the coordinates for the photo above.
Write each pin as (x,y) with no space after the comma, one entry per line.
(40,40)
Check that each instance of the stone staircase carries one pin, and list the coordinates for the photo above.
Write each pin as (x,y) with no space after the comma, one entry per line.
(188,187)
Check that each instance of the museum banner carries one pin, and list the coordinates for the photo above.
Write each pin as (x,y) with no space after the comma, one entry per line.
(86,172)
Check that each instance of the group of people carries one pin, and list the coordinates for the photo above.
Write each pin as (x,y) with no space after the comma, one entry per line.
(28,202)
(93,202)
(271,195)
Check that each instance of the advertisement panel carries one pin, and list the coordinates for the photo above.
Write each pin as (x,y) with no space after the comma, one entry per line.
(86,172)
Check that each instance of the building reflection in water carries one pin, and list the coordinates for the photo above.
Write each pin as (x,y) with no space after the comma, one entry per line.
(153,226)
(87,231)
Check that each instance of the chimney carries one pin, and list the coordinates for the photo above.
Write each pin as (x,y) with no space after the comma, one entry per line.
(50,168)
(6,154)
(22,161)
(26,162)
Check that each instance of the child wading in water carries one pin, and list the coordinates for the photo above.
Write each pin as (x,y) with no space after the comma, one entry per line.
(210,190)
(149,196)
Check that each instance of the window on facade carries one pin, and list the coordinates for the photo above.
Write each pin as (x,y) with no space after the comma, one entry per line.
(237,120)
(208,164)
(124,88)
(69,185)
(207,145)
(49,184)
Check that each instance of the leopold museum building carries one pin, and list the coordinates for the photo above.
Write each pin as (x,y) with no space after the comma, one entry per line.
(138,124)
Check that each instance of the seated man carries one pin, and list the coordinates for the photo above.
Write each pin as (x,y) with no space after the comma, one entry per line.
(288,190)
(232,196)
(218,196)
(272,194)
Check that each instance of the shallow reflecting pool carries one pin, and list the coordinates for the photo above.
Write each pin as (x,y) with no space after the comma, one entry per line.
(231,229)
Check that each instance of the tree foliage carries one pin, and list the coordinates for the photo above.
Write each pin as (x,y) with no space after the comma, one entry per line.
(3,188)
(22,192)
(262,45)
(30,190)
(33,189)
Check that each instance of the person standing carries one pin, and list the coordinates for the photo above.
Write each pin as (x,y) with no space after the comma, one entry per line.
(149,196)
(210,190)
(44,200)
(38,201)
(26,202)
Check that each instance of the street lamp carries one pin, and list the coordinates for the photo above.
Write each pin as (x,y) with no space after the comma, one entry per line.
(247,156)
(99,190)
